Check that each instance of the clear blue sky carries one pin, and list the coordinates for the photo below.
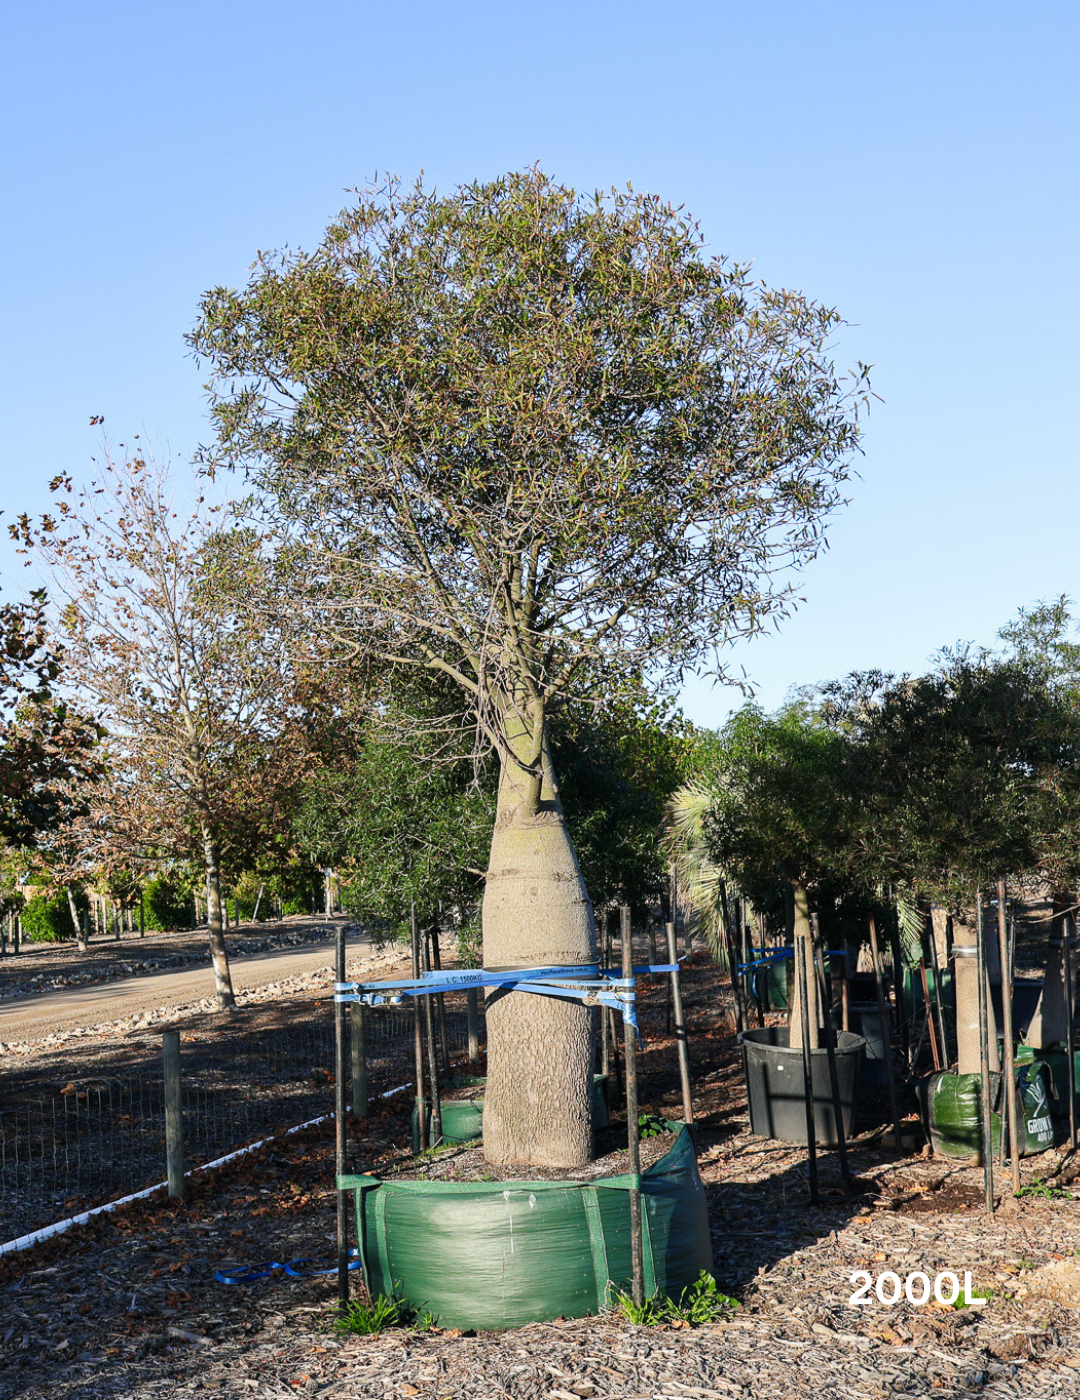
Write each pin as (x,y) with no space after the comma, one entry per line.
(913,165)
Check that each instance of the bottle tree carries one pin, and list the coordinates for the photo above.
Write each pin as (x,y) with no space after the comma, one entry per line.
(518,435)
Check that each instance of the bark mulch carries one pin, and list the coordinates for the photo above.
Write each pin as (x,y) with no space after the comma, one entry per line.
(129,1307)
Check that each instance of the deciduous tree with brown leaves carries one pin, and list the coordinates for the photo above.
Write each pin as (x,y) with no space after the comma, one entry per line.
(191,685)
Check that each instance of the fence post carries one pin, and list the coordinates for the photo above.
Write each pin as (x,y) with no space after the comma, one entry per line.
(174,1114)
(359,1062)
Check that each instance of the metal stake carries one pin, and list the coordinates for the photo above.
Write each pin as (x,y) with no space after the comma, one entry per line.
(440,1004)
(801,974)
(898,1000)
(340,1150)
(680,1029)
(613,1028)
(834,1078)
(938,1065)
(939,1007)
(637,1253)
(433,1064)
(1068,929)
(605,1024)
(420,1137)
(1005,953)
(984,1057)
(886,1031)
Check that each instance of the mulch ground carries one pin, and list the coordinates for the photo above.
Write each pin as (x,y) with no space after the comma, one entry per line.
(129,1305)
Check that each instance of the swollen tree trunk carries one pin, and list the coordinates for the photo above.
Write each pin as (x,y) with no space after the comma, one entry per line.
(1049,1025)
(537,1103)
(219,956)
(804,966)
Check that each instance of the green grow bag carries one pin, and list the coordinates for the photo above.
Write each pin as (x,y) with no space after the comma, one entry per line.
(1056,1065)
(462,1119)
(505,1253)
(950,1107)
(771,983)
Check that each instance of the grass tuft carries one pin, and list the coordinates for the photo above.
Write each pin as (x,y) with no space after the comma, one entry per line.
(367,1317)
(700,1302)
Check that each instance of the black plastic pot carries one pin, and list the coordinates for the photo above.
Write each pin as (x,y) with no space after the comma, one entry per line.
(774,1084)
(865,1020)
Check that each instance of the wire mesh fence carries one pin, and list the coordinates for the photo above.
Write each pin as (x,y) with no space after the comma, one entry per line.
(97,1139)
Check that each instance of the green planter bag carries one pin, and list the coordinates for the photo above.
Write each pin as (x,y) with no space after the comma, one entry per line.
(502,1254)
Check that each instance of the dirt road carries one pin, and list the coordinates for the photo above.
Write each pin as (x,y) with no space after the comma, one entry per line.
(32,1017)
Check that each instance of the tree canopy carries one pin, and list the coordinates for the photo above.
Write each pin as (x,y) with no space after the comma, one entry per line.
(49,750)
(514,429)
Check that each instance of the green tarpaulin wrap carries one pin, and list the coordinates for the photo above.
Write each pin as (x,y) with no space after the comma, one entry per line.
(1056,1062)
(501,1254)
(950,1105)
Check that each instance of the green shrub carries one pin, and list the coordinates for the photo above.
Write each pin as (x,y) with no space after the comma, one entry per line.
(165,905)
(47,918)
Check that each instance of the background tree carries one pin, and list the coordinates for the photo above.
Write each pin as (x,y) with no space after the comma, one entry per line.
(1042,640)
(774,806)
(48,749)
(509,433)
(968,774)
(192,690)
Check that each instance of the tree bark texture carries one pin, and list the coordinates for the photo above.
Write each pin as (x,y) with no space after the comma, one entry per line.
(967,1007)
(804,967)
(537,1103)
(80,931)
(939,943)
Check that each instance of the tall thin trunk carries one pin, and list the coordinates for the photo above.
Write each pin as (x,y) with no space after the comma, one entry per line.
(219,955)
(804,967)
(939,937)
(537,1104)
(80,932)
(968,1059)
(1048,1026)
